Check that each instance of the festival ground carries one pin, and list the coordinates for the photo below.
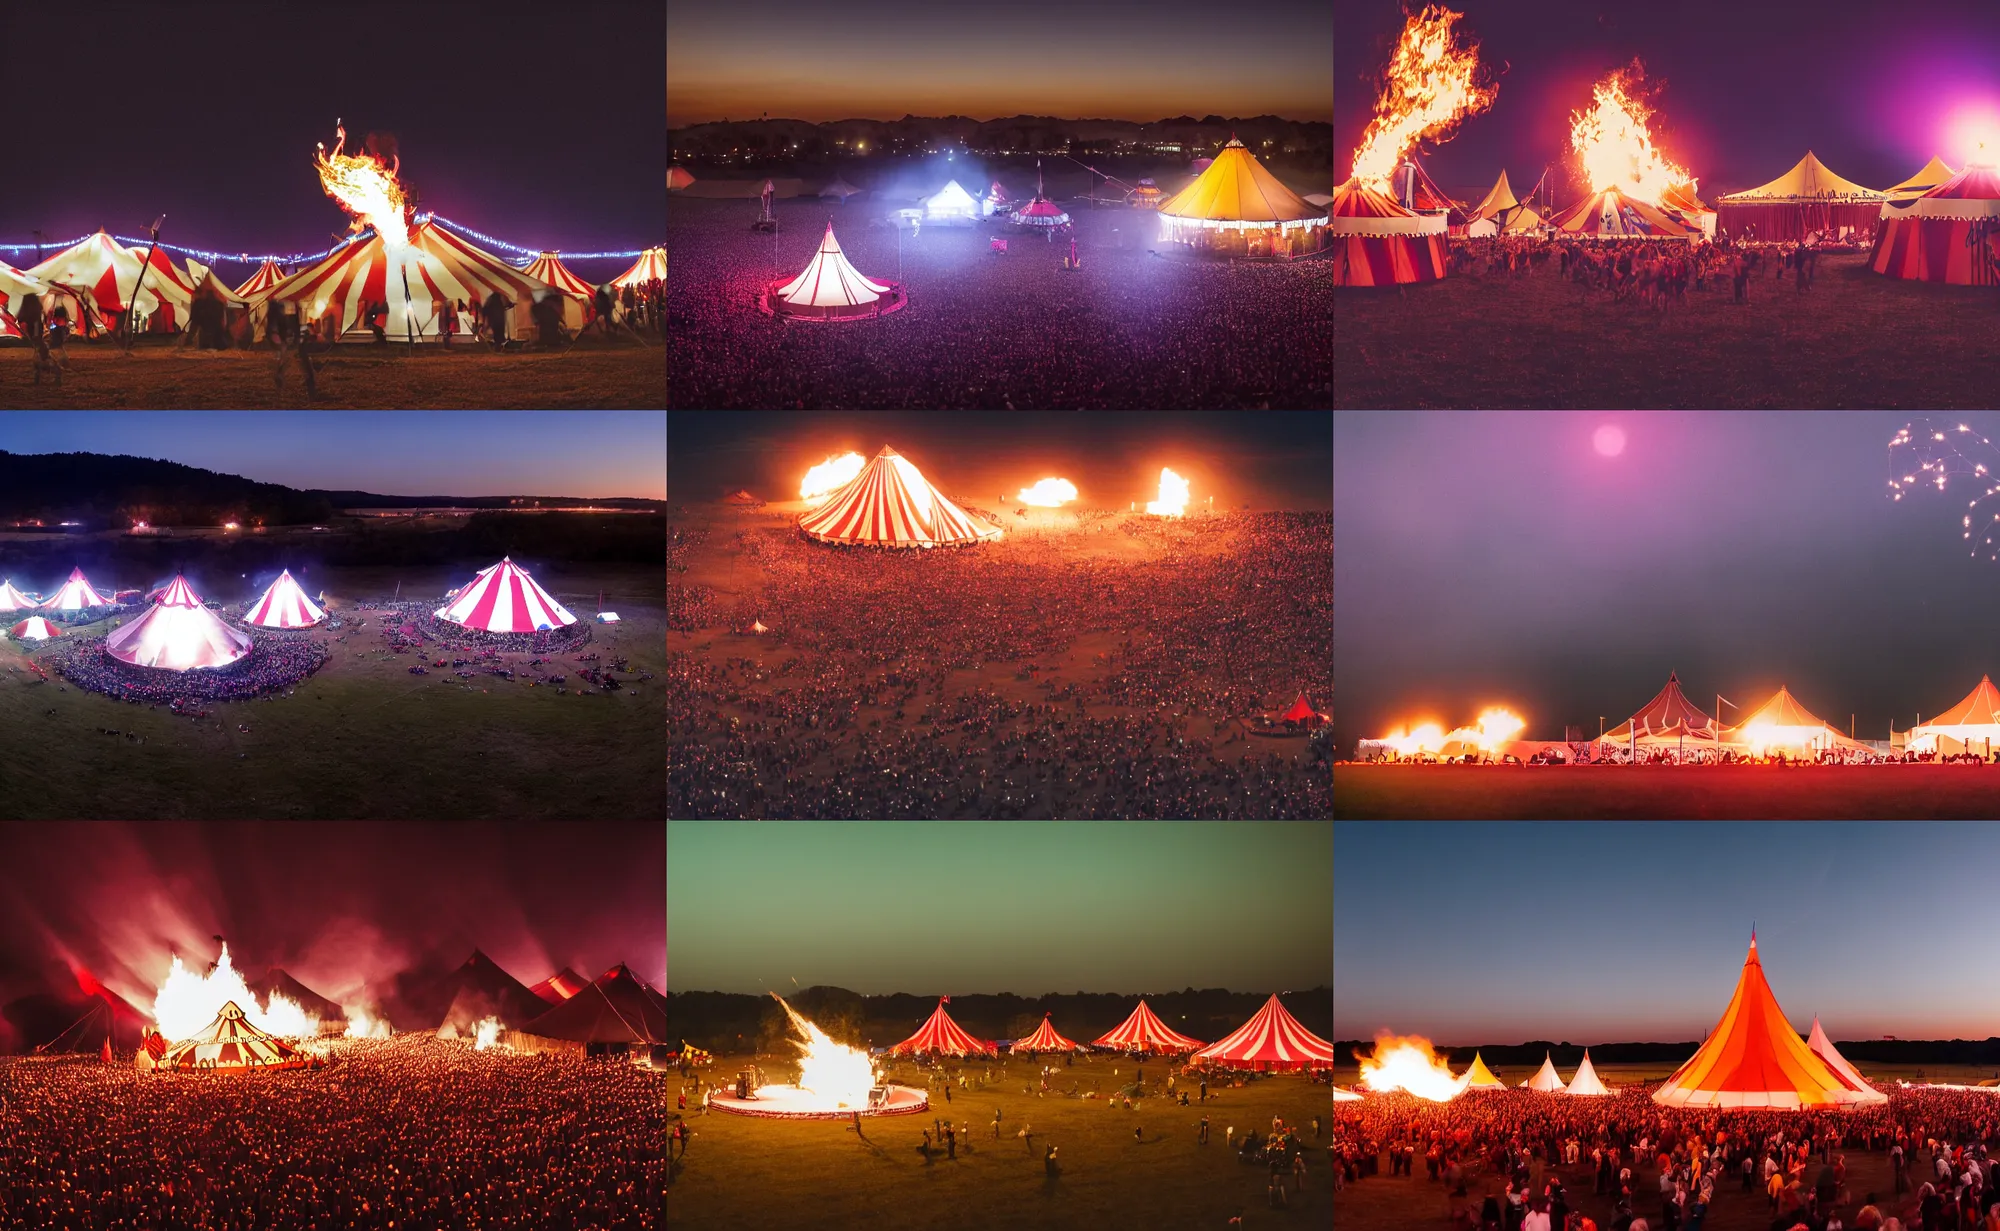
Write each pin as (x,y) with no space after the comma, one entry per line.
(742,1172)
(1689,792)
(1855,339)
(598,374)
(362,738)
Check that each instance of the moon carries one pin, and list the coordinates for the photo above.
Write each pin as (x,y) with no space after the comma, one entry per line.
(1610,440)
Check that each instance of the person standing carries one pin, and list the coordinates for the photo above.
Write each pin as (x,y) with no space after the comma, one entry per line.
(951,1142)
(996,1124)
(1202,1137)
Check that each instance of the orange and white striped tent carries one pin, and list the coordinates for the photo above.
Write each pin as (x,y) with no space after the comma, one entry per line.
(890,504)
(942,1036)
(231,1044)
(1144,1031)
(650,267)
(1753,1058)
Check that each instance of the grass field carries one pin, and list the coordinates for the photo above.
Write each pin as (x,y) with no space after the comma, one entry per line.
(1720,792)
(362,738)
(742,1172)
(597,375)
(1856,339)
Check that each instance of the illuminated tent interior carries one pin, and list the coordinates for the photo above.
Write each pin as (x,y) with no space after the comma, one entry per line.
(1666,719)
(1479,1077)
(436,265)
(503,598)
(230,1044)
(650,267)
(1973,722)
(1945,235)
(76,595)
(1610,214)
(1783,723)
(1586,1082)
(830,289)
(1807,198)
(178,634)
(110,273)
(1236,203)
(284,604)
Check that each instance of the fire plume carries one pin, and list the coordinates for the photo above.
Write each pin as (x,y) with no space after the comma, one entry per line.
(832,473)
(838,1074)
(361,1024)
(1048,494)
(367,189)
(1613,145)
(1409,1063)
(487,1033)
(188,1002)
(1173,496)
(1494,727)
(1430,85)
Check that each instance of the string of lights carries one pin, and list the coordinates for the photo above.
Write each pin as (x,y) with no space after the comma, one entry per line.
(208,257)
(1935,448)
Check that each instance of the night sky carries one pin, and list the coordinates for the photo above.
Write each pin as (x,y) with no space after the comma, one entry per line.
(537,124)
(1139,60)
(334,904)
(1478,934)
(606,453)
(1268,459)
(962,907)
(1749,87)
(1487,559)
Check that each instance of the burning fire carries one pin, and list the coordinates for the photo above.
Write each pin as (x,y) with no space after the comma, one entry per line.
(1494,727)
(361,1024)
(488,1033)
(188,1002)
(366,189)
(838,1074)
(1613,145)
(1764,736)
(1173,496)
(1049,493)
(1426,90)
(1408,1063)
(829,474)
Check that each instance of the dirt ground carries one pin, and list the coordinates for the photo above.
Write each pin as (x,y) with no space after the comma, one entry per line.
(1718,792)
(620,373)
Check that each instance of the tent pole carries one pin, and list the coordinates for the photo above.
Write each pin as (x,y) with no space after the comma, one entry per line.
(132,307)
(409,326)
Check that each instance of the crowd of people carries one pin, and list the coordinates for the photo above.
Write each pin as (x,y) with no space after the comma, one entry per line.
(1657,273)
(982,331)
(1516,1160)
(862,707)
(274,665)
(409,1133)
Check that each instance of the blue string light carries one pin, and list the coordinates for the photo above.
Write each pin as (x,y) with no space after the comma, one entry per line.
(208,257)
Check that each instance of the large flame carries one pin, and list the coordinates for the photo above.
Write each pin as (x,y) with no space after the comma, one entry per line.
(1493,728)
(487,1033)
(1173,496)
(1613,145)
(840,1075)
(1048,493)
(1763,736)
(829,474)
(1408,1063)
(366,189)
(1427,89)
(362,1024)
(187,1003)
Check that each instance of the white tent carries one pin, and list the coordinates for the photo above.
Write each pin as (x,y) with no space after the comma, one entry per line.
(1545,1079)
(953,204)
(1973,723)
(1823,1047)
(1585,1081)
(284,605)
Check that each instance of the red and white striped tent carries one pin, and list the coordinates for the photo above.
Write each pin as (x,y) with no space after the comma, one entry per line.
(502,598)
(438,266)
(13,600)
(1377,242)
(34,628)
(550,269)
(178,634)
(890,504)
(1144,1031)
(1273,1039)
(1945,235)
(1045,1038)
(230,1044)
(284,605)
(76,595)
(267,276)
(942,1036)
(110,272)
(831,289)
(650,267)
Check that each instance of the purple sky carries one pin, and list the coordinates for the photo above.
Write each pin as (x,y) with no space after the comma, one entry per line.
(1474,934)
(1749,87)
(1497,558)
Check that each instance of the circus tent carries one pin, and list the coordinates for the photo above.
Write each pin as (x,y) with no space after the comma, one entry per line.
(1377,242)
(650,267)
(1823,1047)
(76,595)
(178,634)
(284,605)
(267,276)
(110,273)
(549,268)
(1144,1031)
(995,201)
(503,598)
(1040,212)
(1807,198)
(1418,191)
(1945,235)
(560,986)
(1273,1039)
(951,204)
(1494,211)
(1586,1082)
(1479,1077)
(1695,214)
(1045,1038)
(15,288)
(1667,718)
(830,289)
(1783,723)
(13,600)
(34,628)
(616,1008)
(1973,721)
(1610,214)
(890,504)
(435,266)
(1301,711)
(231,1044)
(939,1035)
(203,280)
(678,178)
(1753,1058)
(1235,194)
(1545,1080)
(1929,176)
(1146,194)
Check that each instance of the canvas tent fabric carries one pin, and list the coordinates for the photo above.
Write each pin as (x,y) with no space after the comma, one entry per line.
(1144,1031)
(178,634)
(230,1044)
(76,1020)
(110,274)
(560,986)
(615,1008)
(1300,711)
(284,604)
(13,600)
(1975,720)
(281,981)
(503,598)
(1782,722)
(1929,176)
(939,1035)
(76,595)
(1610,214)
(1807,198)
(1377,242)
(548,267)
(268,275)
(34,628)
(678,178)
(479,986)
(890,504)
(437,266)
(1498,202)
(1235,193)
(829,286)
(1545,1080)
(650,267)
(1586,1082)
(1753,1058)
(1272,1039)
(1823,1047)
(951,204)
(1945,235)
(1045,1038)
(1669,714)
(1479,1077)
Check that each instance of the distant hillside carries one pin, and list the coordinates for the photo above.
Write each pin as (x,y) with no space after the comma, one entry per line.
(1031,133)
